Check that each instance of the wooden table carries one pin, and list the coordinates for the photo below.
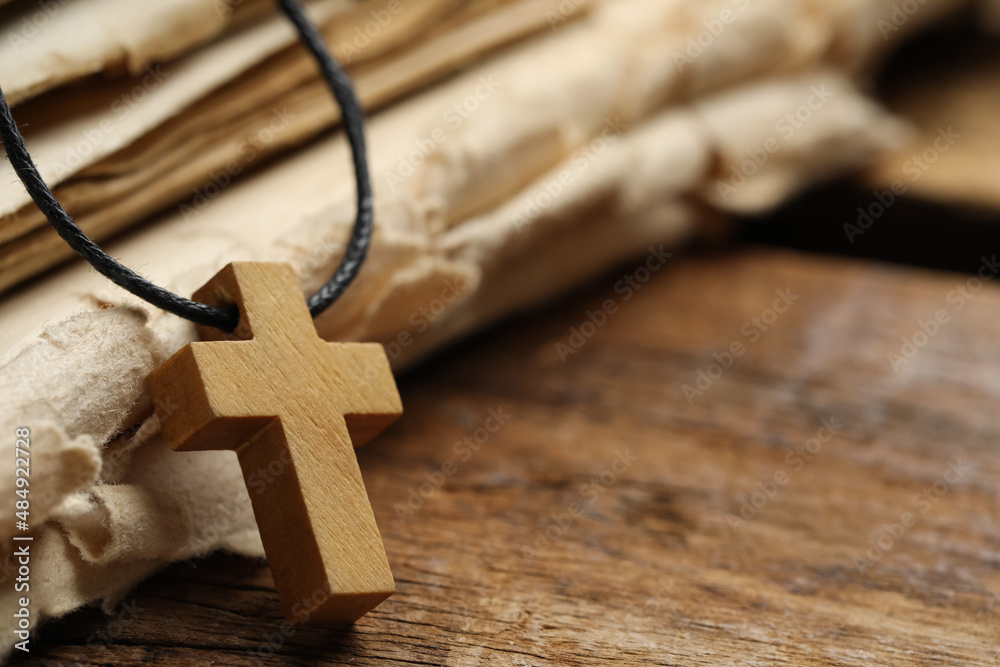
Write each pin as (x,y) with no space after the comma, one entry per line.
(811,506)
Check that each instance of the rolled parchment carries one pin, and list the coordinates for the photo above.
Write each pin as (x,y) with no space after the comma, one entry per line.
(136,145)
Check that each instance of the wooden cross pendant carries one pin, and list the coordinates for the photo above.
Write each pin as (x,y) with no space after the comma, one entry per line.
(291,405)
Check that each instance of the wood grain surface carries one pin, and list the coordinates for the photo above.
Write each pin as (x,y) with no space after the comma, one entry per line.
(813,505)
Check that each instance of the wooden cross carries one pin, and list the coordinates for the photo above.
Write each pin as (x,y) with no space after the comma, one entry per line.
(291,405)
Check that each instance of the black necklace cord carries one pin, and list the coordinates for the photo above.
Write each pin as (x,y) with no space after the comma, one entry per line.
(354,126)
(357,249)
(69,231)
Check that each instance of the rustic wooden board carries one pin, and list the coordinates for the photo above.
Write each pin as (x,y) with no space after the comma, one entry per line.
(650,570)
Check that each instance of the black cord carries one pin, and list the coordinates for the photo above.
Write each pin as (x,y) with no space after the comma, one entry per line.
(354,125)
(200,313)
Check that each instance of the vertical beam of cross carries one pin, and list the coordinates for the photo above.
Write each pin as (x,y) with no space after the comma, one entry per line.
(275,392)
